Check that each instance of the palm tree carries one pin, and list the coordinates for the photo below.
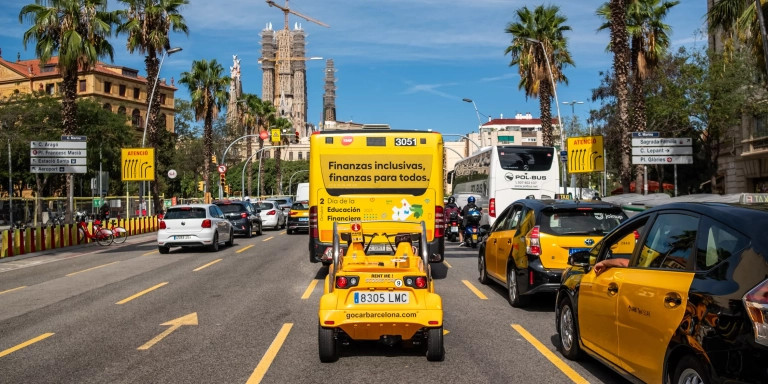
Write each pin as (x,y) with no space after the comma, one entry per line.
(285,126)
(738,20)
(649,42)
(208,88)
(266,114)
(147,23)
(78,31)
(250,120)
(620,47)
(544,25)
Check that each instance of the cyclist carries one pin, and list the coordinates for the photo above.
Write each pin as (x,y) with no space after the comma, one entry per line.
(464,211)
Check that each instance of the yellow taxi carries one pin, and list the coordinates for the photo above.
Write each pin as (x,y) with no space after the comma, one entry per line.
(298,217)
(389,298)
(528,245)
(687,302)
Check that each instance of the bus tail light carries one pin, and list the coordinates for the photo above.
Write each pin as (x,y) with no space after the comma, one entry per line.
(492,207)
(439,221)
(534,246)
(756,302)
(313,232)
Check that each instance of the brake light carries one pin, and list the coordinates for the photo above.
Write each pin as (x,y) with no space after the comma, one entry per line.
(207,223)
(637,235)
(419,282)
(534,246)
(439,221)
(492,207)
(292,213)
(313,232)
(272,212)
(162,224)
(756,302)
(343,282)
(243,215)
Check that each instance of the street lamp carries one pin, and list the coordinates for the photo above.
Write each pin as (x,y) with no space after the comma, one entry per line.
(290,180)
(465,137)
(149,108)
(479,122)
(557,104)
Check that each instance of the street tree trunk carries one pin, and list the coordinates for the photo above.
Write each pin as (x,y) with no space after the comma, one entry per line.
(620,48)
(545,105)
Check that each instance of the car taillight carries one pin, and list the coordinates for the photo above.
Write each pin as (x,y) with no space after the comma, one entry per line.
(313,232)
(418,282)
(293,213)
(492,207)
(637,235)
(162,224)
(756,302)
(243,215)
(343,282)
(439,221)
(207,223)
(534,246)
(272,212)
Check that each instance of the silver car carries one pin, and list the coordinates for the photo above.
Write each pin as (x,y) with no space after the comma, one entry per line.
(194,225)
(271,214)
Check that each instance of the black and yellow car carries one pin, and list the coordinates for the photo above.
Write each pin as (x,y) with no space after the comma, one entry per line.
(686,303)
(528,245)
(298,217)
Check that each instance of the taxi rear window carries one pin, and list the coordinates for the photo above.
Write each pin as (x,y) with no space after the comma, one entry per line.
(300,206)
(231,208)
(184,213)
(580,222)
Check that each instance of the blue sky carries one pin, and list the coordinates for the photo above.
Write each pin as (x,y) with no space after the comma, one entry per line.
(406,63)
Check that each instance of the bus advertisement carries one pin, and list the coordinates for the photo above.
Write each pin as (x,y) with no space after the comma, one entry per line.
(375,175)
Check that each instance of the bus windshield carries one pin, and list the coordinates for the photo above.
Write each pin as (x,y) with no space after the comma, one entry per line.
(532,159)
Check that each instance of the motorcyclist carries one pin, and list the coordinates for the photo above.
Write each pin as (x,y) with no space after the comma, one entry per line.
(451,207)
(464,211)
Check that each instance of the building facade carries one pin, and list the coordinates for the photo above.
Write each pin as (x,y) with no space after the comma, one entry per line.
(118,89)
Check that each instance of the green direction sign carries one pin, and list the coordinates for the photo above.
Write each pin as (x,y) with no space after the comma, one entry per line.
(97,202)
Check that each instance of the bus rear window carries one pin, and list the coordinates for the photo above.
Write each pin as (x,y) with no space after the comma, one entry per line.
(525,158)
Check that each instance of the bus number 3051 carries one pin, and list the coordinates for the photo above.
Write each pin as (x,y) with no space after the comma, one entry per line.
(405,142)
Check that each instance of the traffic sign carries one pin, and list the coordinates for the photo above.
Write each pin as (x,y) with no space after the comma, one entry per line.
(138,164)
(264,135)
(73,138)
(58,169)
(172,173)
(275,135)
(58,161)
(585,154)
(222,168)
(645,134)
(661,151)
(58,144)
(675,159)
(661,142)
(57,152)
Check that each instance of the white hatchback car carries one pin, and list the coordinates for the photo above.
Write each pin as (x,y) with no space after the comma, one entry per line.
(194,225)
(271,214)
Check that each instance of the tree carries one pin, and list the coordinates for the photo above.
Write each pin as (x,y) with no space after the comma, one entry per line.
(249,121)
(285,126)
(78,30)
(147,24)
(537,37)
(266,113)
(739,22)
(208,90)
(620,48)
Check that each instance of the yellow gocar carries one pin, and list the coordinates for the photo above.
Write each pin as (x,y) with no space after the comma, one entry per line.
(390,298)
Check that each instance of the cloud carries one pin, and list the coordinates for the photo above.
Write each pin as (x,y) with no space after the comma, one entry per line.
(431,89)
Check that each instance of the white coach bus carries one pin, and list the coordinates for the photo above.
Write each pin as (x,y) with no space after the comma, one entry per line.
(502,174)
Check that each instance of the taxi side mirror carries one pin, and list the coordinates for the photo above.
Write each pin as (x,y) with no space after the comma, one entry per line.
(579,259)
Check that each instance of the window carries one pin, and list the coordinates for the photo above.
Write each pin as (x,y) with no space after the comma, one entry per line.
(670,242)
(290,156)
(161,120)
(717,243)
(50,89)
(136,93)
(162,98)
(82,85)
(107,87)
(300,155)
(108,107)
(621,245)
(121,110)
(121,90)
(136,118)
(47,68)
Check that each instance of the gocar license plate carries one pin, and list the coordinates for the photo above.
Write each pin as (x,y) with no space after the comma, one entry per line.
(381,297)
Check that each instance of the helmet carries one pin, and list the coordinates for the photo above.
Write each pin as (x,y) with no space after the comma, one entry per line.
(471,199)
(451,200)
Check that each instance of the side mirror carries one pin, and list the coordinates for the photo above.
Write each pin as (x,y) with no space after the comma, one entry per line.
(579,259)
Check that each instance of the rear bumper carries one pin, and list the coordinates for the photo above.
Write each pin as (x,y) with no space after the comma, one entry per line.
(199,239)
(296,224)
(544,280)
(318,249)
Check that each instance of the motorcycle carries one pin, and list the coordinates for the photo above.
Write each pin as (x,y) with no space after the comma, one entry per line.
(452,227)
(472,233)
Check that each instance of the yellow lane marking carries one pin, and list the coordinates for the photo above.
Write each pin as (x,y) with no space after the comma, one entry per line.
(127,299)
(244,248)
(266,361)
(175,324)
(209,264)
(282,233)
(151,253)
(475,290)
(90,269)
(269,238)
(14,289)
(309,290)
(445,331)
(446,264)
(568,371)
(25,344)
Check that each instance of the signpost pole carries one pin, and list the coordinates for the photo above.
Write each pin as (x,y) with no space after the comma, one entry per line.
(10,186)
(675,180)
(645,179)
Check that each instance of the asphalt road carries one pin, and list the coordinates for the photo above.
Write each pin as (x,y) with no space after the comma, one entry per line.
(248,314)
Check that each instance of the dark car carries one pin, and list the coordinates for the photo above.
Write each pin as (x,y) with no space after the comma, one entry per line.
(298,218)
(528,245)
(685,302)
(243,215)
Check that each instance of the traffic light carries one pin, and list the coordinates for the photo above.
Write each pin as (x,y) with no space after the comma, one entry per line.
(222,178)
(226,189)
(297,136)
(213,159)
(200,185)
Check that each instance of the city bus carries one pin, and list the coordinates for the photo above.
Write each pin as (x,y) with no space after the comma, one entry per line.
(375,175)
(502,174)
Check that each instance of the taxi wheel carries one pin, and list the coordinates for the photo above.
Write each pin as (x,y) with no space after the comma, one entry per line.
(690,371)
(482,269)
(249,231)
(435,350)
(231,240)
(214,247)
(328,346)
(568,331)
(163,250)
(290,231)
(513,293)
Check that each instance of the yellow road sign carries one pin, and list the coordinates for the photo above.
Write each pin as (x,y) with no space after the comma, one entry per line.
(138,164)
(585,154)
(275,135)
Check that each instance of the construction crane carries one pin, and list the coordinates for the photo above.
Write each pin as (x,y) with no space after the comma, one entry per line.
(287,10)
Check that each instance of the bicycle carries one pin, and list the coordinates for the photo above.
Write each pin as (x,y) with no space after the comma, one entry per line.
(119,233)
(102,236)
